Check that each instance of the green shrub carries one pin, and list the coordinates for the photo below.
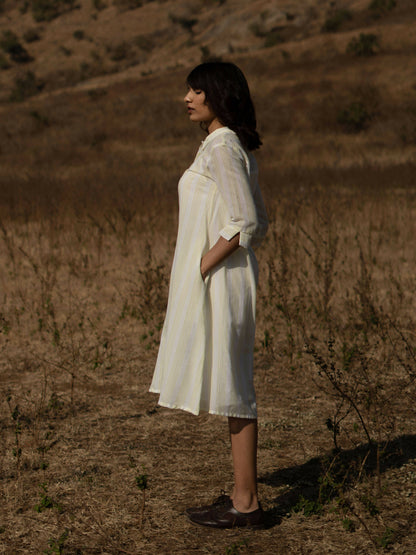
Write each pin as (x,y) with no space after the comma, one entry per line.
(207,56)
(128,4)
(25,85)
(24,7)
(366,44)
(57,545)
(66,51)
(43,121)
(184,22)
(4,62)
(144,43)
(387,538)
(45,501)
(355,117)
(308,506)
(257,30)
(10,43)
(84,71)
(120,51)
(99,5)
(79,34)
(348,524)
(95,55)
(46,10)
(382,6)
(205,53)
(334,21)
(273,37)
(31,35)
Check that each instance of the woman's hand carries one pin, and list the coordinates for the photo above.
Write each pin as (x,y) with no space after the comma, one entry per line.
(219,252)
(204,271)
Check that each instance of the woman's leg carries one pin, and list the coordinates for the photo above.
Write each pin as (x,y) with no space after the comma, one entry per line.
(243,434)
(245,510)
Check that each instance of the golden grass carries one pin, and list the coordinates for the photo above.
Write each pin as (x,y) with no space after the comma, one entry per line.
(81,316)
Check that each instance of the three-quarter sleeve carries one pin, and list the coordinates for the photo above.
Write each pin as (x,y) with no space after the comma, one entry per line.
(228,168)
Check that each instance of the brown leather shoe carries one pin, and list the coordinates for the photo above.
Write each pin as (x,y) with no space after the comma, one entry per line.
(228,517)
(223,500)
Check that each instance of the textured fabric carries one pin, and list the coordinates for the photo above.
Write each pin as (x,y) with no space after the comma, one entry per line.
(205,360)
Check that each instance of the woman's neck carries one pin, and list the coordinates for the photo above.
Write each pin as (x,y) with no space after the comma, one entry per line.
(215,124)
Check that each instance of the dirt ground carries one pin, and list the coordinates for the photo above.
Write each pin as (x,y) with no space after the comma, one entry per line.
(81,435)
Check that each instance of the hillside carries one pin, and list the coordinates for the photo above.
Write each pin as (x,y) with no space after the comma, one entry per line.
(64,42)
(85,38)
(334,82)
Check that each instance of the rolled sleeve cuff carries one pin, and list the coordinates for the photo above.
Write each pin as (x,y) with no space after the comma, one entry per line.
(229,231)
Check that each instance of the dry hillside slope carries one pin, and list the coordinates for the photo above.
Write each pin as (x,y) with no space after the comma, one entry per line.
(69,41)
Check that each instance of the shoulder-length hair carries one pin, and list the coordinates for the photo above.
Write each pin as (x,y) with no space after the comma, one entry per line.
(227,93)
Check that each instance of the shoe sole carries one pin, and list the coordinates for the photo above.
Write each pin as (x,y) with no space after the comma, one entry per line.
(261,526)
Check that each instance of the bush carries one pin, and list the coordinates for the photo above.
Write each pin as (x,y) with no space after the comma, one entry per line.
(128,4)
(84,71)
(144,43)
(26,85)
(24,7)
(99,5)
(273,37)
(31,35)
(382,6)
(10,43)
(207,56)
(184,22)
(366,44)
(4,62)
(66,51)
(355,117)
(334,22)
(79,34)
(46,10)
(120,51)
(257,30)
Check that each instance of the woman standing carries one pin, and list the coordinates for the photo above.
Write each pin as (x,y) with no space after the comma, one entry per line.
(205,360)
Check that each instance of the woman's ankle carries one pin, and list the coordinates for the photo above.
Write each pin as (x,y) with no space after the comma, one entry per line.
(245,502)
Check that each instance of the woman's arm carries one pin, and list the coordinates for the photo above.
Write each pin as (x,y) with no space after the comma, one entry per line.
(219,252)
(228,167)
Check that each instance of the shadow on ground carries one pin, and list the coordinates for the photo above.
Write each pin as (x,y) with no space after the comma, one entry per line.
(321,479)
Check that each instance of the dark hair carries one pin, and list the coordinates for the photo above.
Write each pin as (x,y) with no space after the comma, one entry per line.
(226,91)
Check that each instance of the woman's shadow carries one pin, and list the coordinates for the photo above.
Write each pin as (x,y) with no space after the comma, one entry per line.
(316,482)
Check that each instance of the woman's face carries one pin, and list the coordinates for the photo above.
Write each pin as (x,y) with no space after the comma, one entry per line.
(199,110)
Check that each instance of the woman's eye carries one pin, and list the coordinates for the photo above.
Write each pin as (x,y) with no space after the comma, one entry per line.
(197,92)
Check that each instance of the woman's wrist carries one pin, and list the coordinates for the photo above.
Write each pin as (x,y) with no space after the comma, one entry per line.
(216,254)
(203,268)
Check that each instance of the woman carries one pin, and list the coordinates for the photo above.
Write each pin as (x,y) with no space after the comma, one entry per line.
(205,360)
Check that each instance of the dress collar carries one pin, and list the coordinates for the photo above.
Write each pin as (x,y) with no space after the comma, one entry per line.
(215,133)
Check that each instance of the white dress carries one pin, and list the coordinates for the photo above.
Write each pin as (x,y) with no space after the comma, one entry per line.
(205,360)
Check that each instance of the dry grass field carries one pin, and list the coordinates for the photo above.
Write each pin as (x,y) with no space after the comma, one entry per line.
(89,164)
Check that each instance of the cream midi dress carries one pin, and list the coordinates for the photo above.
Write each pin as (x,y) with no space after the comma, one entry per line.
(205,360)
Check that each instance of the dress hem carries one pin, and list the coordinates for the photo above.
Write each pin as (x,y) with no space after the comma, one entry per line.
(209,411)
